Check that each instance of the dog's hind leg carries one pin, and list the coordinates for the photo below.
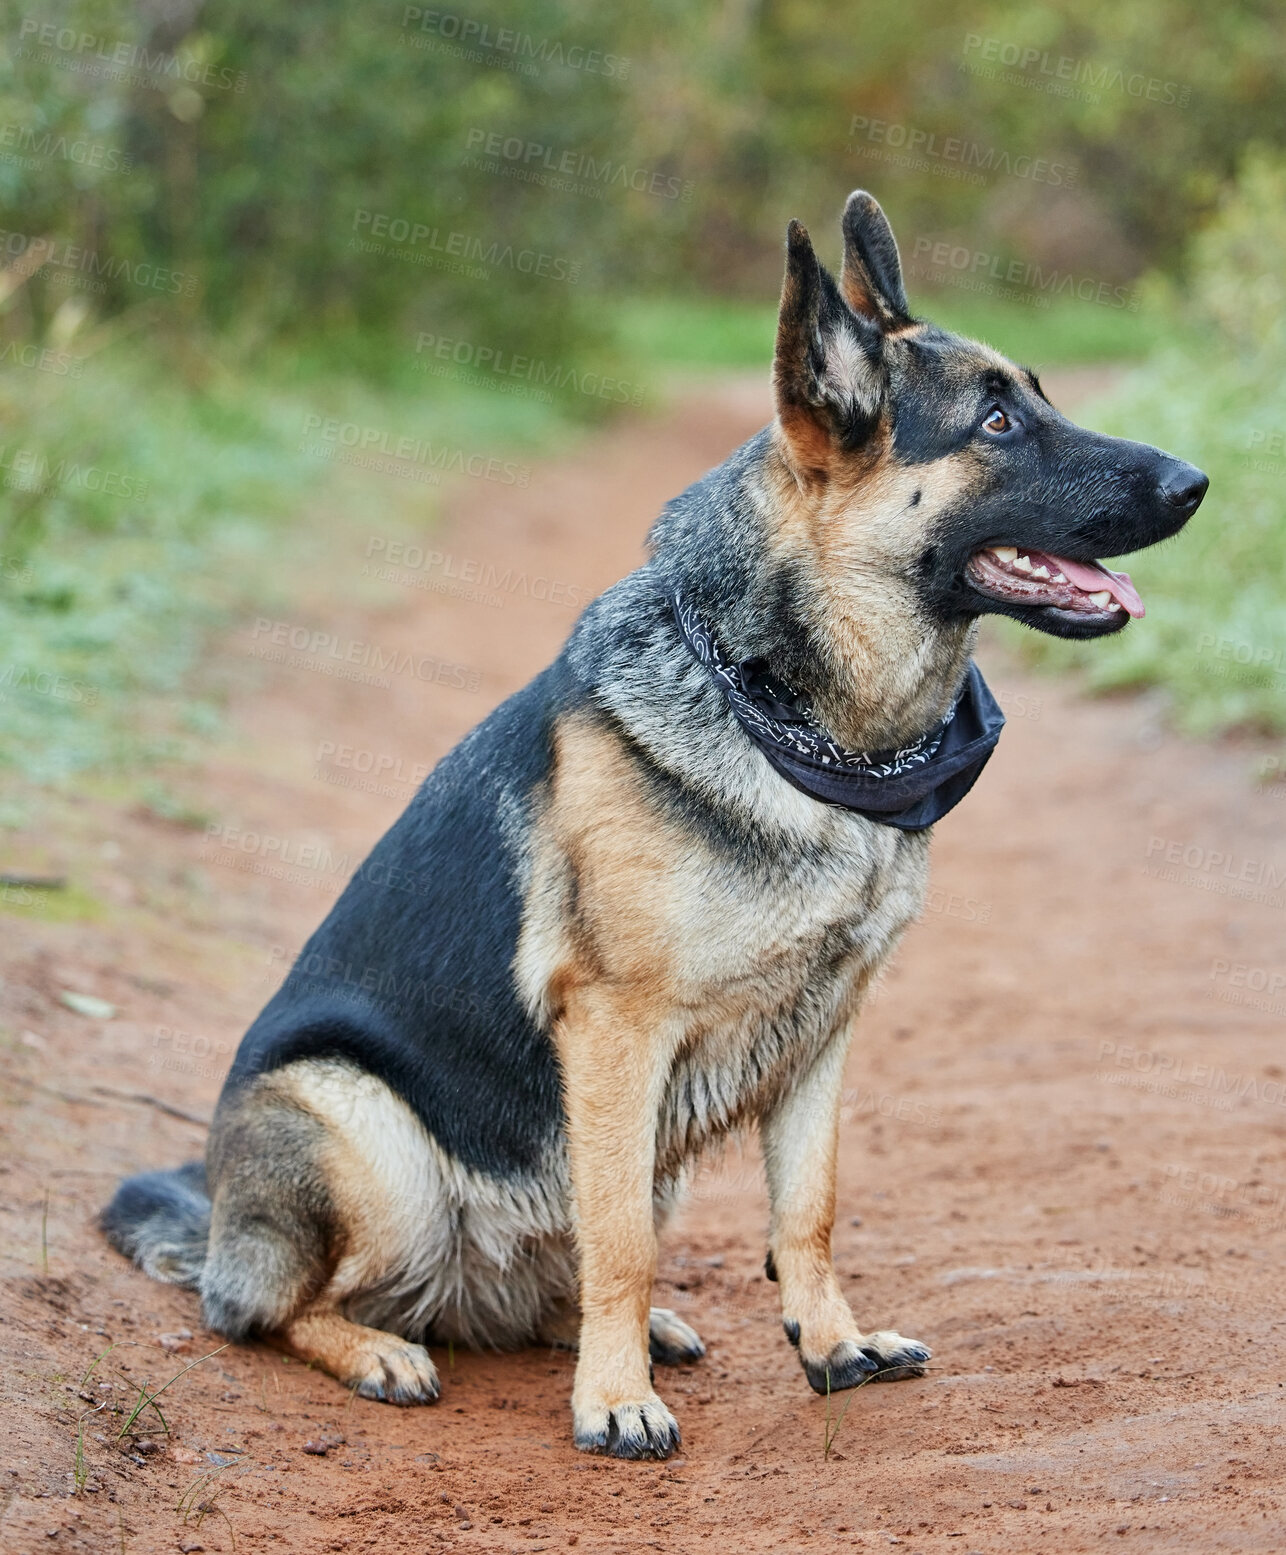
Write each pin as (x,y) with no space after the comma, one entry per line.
(800,1140)
(274,1225)
(291,1238)
(376,1364)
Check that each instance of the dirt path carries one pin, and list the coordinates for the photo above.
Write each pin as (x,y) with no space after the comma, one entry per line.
(1063,1160)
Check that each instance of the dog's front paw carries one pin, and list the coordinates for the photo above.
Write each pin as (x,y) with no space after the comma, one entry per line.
(881,1357)
(847,1366)
(670,1341)
(397,1372)
(895,1357)
(641,1429)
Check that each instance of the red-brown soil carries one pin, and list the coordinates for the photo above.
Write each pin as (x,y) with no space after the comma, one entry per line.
(1063,1160)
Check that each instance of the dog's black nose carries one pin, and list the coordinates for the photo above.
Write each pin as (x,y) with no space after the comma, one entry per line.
(1183,485)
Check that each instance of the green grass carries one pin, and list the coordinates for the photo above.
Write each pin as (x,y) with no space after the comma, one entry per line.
(148,501)
(1214,639)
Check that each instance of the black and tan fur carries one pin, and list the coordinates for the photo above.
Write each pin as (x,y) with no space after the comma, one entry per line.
(605,933)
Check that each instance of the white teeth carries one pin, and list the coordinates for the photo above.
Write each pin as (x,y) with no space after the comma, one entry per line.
(1004,553)
(1114,606)
(1101,599)
(1059,578)
(1040,572)
(1022,564)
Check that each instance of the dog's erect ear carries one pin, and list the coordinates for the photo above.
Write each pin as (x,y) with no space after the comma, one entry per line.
(871,278)
(827,373)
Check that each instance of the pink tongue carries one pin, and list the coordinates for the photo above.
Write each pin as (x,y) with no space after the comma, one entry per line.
(1094,577)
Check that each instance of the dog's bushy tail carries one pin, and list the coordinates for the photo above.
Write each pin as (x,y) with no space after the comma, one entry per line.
(161,1220)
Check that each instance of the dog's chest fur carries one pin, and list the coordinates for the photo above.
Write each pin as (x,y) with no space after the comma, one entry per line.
(773,968)
(742,943)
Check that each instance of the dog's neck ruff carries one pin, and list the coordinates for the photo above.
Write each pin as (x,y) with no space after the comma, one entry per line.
(910,788)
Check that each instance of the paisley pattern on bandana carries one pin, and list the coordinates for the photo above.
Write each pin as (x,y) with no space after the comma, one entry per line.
(909,788)
(807,737)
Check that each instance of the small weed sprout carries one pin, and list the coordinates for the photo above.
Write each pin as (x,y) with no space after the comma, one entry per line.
(148,1400)
(831,1430)
(195,1505)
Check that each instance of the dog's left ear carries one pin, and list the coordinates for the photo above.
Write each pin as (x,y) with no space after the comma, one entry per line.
(871,277)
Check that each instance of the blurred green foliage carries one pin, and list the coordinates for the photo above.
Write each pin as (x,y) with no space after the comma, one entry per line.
(160,494)
(1215,637)
(219,219)
(238,143)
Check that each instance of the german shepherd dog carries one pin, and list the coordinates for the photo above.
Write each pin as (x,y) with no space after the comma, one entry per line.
(608,930)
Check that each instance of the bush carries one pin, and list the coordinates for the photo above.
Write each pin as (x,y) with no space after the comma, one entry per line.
(1215,636)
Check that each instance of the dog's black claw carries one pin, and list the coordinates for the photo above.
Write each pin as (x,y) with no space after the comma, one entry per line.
(633,1431)
(424,1394)
(639,1437)
(897,1358)
(663,1442)
(401,1374)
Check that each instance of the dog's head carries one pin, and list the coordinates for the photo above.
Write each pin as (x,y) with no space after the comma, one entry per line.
(934,463)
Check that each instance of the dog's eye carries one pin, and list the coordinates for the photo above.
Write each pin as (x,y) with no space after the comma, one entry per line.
(997,422)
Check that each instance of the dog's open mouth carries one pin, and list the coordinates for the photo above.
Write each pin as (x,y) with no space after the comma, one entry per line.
(1036,579)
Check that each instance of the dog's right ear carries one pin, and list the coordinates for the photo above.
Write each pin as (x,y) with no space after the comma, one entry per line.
(871,276)
(827,371)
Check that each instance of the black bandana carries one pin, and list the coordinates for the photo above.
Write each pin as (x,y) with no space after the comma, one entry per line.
(909,788)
